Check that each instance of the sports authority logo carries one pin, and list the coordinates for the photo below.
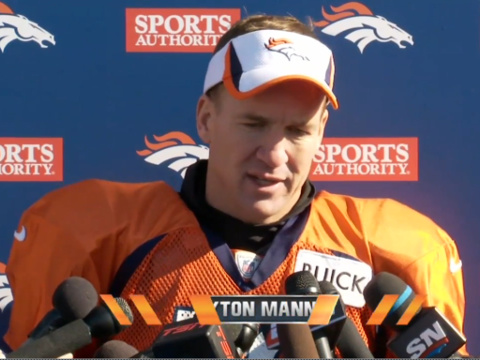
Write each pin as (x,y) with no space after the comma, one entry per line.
(18,27)
(285,47)
(366,159)
(360,26)
(177,30)
(31,159)
(176,149)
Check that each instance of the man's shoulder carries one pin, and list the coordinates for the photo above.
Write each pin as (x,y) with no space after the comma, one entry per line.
(97,190)
(382,221)
(361,206)
(105,199)
(94,212)
(107,187)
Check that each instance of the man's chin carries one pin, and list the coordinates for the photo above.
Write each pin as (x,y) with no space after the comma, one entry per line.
(265,212)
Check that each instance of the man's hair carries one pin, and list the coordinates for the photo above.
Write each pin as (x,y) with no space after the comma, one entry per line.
(260,22)
(265,22)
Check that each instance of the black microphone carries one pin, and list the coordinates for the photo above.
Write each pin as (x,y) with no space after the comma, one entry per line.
(51,321)
(330,331)
(429,334)
(296,340)
(349,341)
(100,323)
(73,299)
(190,339)
(243,336)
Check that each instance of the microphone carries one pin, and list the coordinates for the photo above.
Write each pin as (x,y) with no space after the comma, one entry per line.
(117,349)
(429,334)
(248,332)
(73,299)
(349,342)
(190,339)
(209,340)
(330,331)
(51,321)
(99,323)
(296,340)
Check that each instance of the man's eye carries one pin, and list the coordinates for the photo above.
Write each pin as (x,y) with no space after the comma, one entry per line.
(298,131)
(253,125)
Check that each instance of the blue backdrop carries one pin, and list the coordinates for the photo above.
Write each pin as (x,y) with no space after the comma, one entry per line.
(103,101)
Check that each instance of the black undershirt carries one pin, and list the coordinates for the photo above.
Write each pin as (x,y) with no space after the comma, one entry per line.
(236,233)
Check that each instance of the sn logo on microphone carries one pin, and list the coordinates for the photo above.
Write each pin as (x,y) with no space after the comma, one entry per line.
(429,343)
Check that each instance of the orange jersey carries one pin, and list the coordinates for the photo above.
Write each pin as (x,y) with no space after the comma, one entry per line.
(94,228)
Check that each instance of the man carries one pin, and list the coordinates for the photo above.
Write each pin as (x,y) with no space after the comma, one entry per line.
(263,114)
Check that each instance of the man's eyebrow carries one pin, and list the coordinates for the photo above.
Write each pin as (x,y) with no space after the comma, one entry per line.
(255,117)
(265,120)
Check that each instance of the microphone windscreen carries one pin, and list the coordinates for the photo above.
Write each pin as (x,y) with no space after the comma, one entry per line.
(125,308)
(388,284)
(327,288)
(296,341)
(115,349)
(74,298)
(301,283)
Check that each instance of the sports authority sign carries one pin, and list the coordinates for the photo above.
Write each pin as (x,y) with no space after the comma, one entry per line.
(366,159)
(31,159)
(177,30)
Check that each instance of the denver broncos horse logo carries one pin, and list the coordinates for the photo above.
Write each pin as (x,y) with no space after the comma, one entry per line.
(285,47)
(362,25)
(18,27)
(175,147)
(6,296)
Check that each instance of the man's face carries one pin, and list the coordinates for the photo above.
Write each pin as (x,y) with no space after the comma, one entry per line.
(261,148)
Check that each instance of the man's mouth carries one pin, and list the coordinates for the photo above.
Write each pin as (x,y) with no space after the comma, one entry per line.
(265,180)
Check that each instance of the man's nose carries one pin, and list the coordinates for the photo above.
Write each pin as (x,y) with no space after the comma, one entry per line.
(273,152)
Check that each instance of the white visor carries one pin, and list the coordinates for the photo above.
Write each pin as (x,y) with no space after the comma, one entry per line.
(254,61)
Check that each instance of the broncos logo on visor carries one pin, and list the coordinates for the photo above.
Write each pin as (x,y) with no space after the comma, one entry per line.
(285,47)
(18,27)
(175,147)
(361,26)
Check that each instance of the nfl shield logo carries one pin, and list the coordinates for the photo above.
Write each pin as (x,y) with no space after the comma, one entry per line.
(248,268)
(247,263)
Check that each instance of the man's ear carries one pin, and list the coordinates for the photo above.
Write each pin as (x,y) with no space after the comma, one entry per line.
(323,123)
(205,114)
(324,119)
